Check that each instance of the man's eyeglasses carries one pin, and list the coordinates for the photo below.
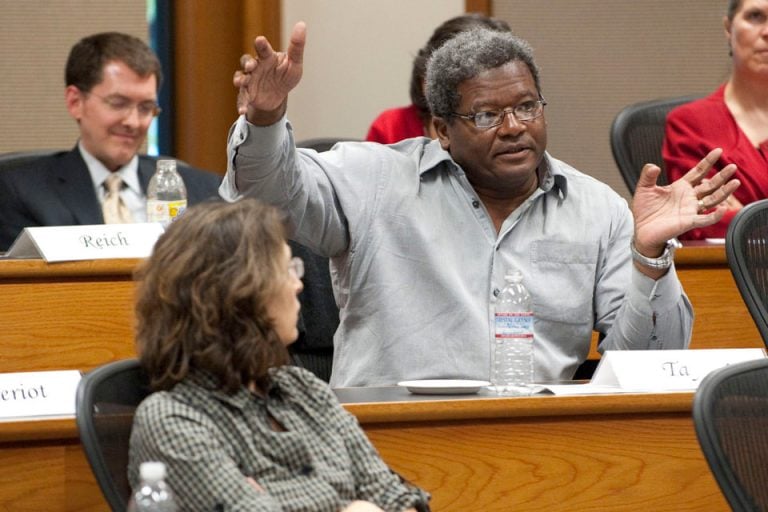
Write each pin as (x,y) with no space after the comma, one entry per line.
(123,106)
(296,267)
(527,111)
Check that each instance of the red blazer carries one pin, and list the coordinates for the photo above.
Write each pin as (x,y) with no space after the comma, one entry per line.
(692,131)
(396,124)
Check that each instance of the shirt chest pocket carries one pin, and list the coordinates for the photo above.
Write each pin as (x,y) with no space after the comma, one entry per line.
(564,281)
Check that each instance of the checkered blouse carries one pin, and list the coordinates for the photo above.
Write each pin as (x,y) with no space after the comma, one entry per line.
(211,441)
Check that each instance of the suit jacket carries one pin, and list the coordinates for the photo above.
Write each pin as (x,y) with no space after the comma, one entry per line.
(57,190)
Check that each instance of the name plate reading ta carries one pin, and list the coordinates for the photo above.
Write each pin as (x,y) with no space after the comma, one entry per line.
(35,394)
(666,370)
(90,242)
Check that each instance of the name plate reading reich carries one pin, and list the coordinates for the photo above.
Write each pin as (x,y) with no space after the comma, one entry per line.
(35,394)
(665,370)
(90,242)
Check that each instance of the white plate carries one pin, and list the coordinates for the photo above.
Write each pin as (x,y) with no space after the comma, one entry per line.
(444,386)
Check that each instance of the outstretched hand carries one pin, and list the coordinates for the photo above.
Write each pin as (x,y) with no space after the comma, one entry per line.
(264,80)
(664,212)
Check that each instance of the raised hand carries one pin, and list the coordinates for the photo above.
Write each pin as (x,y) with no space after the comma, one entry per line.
(664,212)
(264,80)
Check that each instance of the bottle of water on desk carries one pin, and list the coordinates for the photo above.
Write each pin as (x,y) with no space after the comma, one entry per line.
(166,194)
(512,351)
(152,494)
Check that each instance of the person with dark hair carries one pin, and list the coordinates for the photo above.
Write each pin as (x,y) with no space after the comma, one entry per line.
(236,427)
(421,233)
(734,117)
(396,124)
(112,81)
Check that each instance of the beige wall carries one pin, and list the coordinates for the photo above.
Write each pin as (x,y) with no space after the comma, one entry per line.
(358,59)
(35,37)
(597,56)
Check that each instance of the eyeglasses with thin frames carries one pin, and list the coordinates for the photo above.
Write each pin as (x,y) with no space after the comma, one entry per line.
(296,267)
(123,106)
(524,112)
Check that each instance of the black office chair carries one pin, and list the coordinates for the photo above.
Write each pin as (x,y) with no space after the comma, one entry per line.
(746,247)
(106,400)
(319,315)
(730,414)
(15,158)
(637,134)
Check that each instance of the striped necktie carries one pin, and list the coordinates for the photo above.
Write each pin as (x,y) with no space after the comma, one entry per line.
(113,207)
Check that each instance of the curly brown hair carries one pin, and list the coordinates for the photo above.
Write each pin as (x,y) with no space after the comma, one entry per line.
(203,293)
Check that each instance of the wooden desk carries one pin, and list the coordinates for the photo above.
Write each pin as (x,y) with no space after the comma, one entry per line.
(625,452)
(722,319)
(80,315)
(72,316)
(600,453)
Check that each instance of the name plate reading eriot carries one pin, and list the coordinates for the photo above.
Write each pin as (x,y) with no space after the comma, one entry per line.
(90,242)
(33,394)
(666,370)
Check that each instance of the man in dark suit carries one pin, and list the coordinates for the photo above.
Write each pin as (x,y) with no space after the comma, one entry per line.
(112,81)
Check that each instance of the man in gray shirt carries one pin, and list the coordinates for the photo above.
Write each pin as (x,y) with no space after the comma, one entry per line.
(421,233)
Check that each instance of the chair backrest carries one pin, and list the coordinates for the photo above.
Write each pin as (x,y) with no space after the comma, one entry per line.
(319,315)
(746,247)
(637,134)
(15,158)
(320,144)
(730,414)
(106,401)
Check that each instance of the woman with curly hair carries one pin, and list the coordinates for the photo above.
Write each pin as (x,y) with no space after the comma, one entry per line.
(236,426)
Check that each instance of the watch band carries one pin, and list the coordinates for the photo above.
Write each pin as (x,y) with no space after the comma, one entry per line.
(662,262)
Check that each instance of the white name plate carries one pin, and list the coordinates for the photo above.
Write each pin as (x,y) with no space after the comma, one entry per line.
(90,242)
(32,394)
(665,370)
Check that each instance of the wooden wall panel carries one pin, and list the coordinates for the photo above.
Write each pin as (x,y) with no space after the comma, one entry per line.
(210,37)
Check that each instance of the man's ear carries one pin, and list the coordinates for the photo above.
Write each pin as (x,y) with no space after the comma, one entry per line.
(74,98)
(441,129)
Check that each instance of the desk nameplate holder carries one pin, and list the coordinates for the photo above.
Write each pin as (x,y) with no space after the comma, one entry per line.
(38,394)
(665,370)
(89,242)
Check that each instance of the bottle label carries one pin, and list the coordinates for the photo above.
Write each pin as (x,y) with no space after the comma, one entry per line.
(164,211)
(514,325)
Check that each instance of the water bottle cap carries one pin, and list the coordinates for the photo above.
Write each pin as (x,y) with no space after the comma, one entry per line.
(166,165)
(513,276)
(152,471)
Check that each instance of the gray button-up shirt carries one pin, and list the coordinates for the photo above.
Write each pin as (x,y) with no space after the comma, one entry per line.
(416,260)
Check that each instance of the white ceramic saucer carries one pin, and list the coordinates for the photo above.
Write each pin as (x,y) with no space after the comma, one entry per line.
(444,386)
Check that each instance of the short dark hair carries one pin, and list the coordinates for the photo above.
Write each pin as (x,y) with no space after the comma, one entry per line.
(87,58)
(467,55)
(733,8)
(203,294)
(441,34)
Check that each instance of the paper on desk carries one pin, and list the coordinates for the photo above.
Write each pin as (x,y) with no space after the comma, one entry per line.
(597,389)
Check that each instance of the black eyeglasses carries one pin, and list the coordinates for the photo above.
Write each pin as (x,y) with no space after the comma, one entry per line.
(524,112)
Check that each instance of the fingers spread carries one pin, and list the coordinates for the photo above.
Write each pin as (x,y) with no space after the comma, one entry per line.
(703,167)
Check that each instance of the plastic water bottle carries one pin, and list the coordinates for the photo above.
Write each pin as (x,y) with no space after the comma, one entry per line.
(152,494)
(166,194)
(512,353)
